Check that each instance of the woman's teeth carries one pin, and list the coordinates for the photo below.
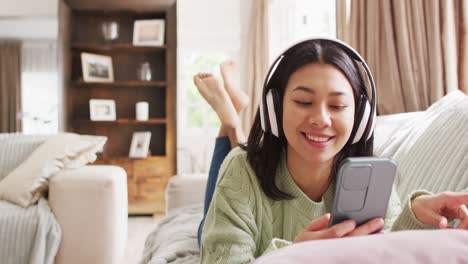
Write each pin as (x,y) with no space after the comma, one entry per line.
(317,139)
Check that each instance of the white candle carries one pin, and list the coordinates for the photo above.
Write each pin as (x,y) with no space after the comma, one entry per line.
(142,111)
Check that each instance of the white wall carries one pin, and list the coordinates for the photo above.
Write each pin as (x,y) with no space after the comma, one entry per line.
(29,28)
(21,8)
(28,19)
(208,24)
(35,23)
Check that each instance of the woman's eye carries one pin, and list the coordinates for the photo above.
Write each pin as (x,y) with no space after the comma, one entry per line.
(302,102)
(338,107)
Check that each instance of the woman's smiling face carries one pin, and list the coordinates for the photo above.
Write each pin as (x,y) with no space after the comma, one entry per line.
(318,113)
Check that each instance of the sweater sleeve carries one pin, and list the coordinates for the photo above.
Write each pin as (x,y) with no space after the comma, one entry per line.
(276,243)
(407,220)
(230,231)
(398,218)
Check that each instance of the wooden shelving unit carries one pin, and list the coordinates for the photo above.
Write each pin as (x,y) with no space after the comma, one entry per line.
(120,84)
(153,121)
(80,31)
(125,47)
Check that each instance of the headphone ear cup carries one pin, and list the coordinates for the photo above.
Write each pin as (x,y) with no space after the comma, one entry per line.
(263,115)
(364,111)
(270,102)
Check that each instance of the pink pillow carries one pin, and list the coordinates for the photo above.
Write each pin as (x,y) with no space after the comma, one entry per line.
(416,246)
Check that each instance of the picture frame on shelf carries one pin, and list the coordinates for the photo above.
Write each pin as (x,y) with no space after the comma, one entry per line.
(148,32)
(97,68)
(102,110)
(140,145)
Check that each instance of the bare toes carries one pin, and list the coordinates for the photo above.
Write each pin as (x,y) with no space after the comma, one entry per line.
(203,75)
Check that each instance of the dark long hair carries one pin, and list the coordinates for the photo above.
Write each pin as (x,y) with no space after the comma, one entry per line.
(264,149)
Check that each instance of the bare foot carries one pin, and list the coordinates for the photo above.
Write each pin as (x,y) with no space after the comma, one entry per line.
(218,98)
(231,83)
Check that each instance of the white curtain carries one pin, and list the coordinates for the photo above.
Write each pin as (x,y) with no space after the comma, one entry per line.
(39,56)
(39,81)
(274,25)
(292,21)
(256,60)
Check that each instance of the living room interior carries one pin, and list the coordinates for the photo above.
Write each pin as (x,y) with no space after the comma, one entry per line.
(106,142)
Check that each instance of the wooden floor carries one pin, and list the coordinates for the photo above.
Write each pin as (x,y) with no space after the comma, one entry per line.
(138,229)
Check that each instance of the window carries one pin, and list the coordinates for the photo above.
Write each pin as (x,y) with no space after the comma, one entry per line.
(198,114)
(291,21)
(197,123)
(39,88)
(39,102)
(203,45)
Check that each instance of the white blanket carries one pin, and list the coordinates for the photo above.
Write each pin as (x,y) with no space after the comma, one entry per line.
(175,239)
(28,235)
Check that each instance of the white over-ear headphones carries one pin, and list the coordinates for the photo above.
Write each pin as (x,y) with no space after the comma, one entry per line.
(366,108)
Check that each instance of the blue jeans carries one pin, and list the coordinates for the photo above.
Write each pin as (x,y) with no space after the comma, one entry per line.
(221,150)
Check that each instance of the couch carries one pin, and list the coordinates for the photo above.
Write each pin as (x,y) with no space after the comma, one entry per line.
(90,205)
(83,220)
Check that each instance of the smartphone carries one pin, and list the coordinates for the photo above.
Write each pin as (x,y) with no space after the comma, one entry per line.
(363,189)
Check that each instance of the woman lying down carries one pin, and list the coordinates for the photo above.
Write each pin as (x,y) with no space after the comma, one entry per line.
(277,189)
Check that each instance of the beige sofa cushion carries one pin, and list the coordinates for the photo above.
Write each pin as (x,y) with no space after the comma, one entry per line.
(23,186)
(184,190)
(90,204)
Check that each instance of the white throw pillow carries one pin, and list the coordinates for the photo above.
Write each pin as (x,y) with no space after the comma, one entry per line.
(15,148)
(24,185)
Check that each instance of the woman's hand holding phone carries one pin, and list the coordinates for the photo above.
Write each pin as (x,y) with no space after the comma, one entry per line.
(319,229)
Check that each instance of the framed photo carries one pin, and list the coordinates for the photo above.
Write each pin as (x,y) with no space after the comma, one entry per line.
(97,68)
(102,110)
(148,32)
(140,144)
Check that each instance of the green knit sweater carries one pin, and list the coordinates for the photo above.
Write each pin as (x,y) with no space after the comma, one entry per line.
(243,223)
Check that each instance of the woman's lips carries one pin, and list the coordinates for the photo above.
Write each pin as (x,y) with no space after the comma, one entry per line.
(318,140)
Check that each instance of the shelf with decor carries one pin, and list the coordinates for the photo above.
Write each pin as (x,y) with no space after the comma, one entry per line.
(81,83)
(103,62)
(116,47)
(155,121)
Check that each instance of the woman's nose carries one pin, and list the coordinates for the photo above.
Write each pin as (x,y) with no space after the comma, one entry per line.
(320,117)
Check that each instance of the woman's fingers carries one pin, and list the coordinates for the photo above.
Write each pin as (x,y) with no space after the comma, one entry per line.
(452,200)
(463,216)
(435,219)
(455,208)
(339,230)
(318,229)
(459,198)
(462,212)
(432,209)
(370,227)
(319,223)
(463,224)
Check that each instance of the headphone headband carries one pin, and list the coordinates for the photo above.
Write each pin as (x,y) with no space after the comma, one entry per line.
(363,69)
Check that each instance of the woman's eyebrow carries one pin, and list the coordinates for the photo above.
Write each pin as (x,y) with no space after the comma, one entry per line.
(305,89)
(337,94)
(312,91)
